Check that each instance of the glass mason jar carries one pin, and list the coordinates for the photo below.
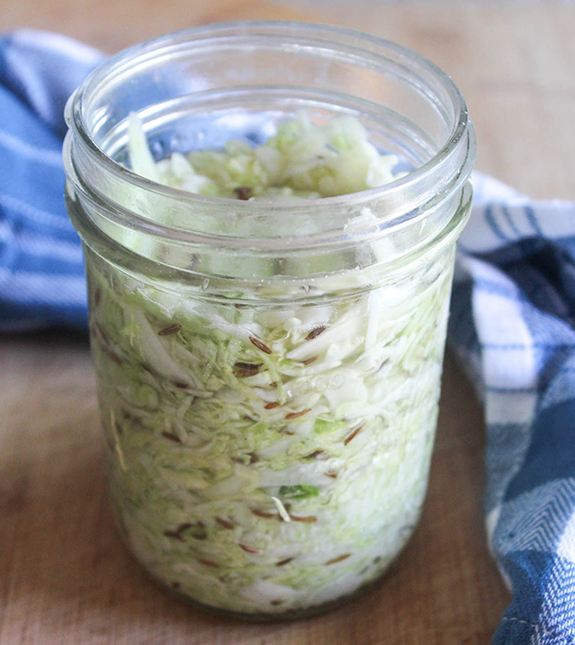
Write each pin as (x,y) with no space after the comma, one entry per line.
(268,372)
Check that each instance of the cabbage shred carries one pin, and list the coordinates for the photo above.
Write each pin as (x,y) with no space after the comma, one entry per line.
(301,161)
(268,458)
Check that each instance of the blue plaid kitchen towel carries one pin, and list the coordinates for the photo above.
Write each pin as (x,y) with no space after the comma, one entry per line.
(512,326)
(41,274)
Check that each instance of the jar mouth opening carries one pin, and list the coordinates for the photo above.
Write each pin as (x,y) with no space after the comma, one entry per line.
(435,179)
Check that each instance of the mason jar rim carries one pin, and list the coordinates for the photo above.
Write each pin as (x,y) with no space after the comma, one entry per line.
(369,47)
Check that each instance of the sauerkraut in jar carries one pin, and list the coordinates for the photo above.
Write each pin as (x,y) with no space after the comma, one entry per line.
(268,310)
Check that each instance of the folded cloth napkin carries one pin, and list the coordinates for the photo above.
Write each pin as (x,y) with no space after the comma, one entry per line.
(41,274)
(512,325)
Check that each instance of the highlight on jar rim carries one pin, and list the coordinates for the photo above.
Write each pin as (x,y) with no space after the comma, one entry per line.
(269,214)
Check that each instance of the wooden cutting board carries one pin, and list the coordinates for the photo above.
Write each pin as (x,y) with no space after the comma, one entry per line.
(65,578)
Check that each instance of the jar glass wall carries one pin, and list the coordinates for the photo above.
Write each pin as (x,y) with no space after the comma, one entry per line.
(268,373)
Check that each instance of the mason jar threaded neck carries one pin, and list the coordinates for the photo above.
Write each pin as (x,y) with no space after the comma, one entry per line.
(411,106)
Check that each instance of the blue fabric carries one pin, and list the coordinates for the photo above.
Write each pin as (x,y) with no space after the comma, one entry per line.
(512,325)
(41,274)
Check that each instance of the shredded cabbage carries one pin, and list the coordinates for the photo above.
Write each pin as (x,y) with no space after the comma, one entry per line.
(268,458)
(301,161)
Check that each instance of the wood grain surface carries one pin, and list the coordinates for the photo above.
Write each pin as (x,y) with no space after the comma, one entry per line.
(65,578)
